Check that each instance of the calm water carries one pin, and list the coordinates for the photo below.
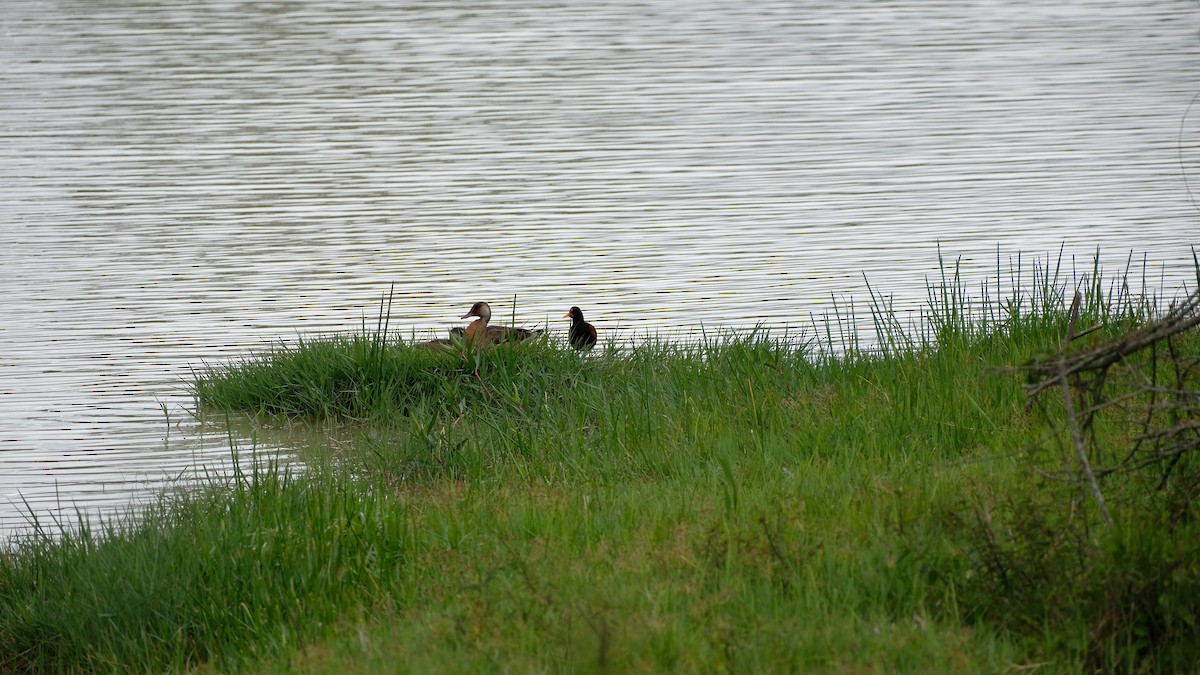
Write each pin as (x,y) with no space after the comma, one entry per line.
(181,182)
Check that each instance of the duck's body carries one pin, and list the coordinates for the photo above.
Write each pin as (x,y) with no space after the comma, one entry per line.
(436,343)
(498,334)
(583,334)
(478,332)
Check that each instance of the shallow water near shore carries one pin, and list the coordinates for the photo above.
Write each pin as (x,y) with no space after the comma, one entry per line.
(182,184)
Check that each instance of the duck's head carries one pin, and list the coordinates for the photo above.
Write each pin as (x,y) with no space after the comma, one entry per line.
(481,310)
(575,314)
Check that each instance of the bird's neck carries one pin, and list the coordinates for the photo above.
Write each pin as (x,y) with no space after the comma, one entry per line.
(476,329)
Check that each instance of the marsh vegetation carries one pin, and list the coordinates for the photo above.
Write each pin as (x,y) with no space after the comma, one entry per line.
(748,502)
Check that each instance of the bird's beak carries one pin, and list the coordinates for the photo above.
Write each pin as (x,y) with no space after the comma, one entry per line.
(567,315)
(466,315)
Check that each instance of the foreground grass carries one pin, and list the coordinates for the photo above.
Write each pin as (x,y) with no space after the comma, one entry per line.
(746,504)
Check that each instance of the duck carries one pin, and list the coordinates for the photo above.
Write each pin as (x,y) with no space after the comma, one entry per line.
(583,334)
(479,332)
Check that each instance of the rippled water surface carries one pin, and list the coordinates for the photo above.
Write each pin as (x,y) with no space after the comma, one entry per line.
(181,182)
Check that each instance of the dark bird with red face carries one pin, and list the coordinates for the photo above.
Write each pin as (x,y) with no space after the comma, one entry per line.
(583,334)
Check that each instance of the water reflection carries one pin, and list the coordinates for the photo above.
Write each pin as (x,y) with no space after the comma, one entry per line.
(182,182)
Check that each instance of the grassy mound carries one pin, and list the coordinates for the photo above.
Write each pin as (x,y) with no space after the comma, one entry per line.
(751,502)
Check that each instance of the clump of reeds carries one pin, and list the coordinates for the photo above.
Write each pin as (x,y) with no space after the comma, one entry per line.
(261,559)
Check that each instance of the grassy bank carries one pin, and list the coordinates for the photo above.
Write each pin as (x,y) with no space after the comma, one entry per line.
(754,502)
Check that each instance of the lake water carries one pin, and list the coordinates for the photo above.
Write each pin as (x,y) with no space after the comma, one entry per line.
(182,182)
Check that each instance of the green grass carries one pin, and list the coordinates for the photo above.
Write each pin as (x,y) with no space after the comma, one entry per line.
(752,502)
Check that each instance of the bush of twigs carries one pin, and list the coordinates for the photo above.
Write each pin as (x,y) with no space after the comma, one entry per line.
(1109,542)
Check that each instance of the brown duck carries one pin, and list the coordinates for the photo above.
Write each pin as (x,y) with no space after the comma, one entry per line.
(478,332)
(583,334)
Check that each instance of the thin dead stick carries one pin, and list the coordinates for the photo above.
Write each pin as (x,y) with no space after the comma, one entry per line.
(1070,327)
(1076,434)
(1086,331)
(485,388)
